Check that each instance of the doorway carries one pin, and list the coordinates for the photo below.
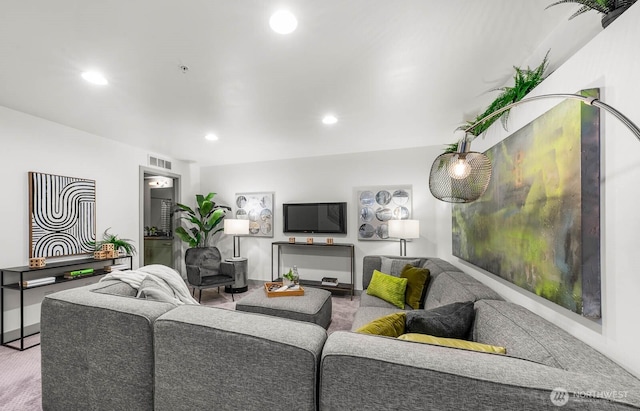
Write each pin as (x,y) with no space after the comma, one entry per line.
(159,192)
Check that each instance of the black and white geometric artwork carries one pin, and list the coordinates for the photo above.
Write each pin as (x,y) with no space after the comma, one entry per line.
(62,214)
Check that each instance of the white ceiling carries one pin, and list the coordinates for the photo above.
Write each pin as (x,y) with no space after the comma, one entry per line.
(397,73)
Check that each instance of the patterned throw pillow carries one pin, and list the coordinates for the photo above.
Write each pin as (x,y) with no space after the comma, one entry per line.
(389,288)
(391,325)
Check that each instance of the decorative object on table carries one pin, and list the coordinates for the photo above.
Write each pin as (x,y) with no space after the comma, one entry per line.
(38,281)
(291,277)
(309,240)
(236,228)
(538,224)
(271,289)
(111,245)
(70,275)
(61,215)
(203,222)
(329,240)
(378,205)
(258,209)
(37,262)
(292,240)
(332,281)
(404,229)
(611,9)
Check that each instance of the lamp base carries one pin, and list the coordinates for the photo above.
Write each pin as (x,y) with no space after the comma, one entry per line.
(229,289)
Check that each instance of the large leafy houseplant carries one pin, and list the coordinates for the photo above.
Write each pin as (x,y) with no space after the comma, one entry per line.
(204,221)
(524,80)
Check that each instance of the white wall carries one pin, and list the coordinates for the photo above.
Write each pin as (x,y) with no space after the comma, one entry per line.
(329,178)
(610,61)
(33,144)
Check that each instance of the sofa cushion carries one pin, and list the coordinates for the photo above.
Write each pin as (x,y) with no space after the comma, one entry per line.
(114,287)
(394,266)
(388,287)
(455,286)
(449,321)
(417,280)
(453,342)
(392,325)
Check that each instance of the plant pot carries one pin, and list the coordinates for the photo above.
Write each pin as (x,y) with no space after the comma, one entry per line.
(611,16)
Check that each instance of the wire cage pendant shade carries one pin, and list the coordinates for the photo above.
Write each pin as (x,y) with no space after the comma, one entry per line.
(460,177)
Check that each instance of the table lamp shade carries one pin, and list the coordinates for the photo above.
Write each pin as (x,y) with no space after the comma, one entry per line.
(236,227)
(404,228)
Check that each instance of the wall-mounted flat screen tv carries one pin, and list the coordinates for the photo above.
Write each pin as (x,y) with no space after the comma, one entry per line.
(318,218)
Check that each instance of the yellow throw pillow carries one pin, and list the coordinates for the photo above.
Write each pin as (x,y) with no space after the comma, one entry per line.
(391,325)
(417,280)
(452,342)
(389,288)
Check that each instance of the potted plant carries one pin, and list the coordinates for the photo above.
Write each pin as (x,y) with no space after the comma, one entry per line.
(119,244)
(204,220)
(610,9)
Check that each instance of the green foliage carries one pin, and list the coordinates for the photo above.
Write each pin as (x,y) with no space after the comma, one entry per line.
(601,6)
(118,243)
(524,81)
(204,221)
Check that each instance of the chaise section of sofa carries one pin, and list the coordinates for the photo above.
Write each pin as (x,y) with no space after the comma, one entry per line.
(361,371)
(97,348)
(210,358)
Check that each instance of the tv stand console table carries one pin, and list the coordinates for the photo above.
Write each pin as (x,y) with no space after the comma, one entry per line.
(13,279)
(341,287)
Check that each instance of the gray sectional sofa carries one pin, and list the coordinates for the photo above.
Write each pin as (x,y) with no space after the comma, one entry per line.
(102,348)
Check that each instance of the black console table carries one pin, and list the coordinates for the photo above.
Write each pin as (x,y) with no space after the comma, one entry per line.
(341,287)
(11,279)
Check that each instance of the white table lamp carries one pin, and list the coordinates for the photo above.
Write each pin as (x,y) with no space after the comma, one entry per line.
(236,228)
(404,229)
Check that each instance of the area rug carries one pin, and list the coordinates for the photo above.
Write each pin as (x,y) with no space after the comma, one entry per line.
(20,384)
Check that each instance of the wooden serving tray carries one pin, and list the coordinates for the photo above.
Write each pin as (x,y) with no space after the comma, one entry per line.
(274,286)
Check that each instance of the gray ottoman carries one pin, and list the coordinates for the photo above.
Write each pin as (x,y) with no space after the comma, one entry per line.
(314,306)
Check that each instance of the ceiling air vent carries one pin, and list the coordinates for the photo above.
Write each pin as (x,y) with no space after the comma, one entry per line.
(158,162)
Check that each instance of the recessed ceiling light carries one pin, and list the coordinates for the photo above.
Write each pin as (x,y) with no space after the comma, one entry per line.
(211,137)
(329,119)
(283,22)
(95,78)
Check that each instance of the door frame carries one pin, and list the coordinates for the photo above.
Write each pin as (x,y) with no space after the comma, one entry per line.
(177,191)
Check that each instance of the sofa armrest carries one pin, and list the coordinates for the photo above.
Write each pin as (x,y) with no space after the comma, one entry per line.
(208,357)
(361,371)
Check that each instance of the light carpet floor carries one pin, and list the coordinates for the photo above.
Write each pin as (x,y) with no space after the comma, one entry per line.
(20,388)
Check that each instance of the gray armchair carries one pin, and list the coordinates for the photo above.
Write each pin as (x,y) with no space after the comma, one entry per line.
(205,269)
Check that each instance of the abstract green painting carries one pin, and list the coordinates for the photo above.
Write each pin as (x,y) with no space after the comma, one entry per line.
(538,223)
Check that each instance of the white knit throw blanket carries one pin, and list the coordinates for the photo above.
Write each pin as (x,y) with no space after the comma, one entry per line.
(167,278)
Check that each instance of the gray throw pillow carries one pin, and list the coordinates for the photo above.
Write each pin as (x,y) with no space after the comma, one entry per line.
(394,266)
(151,290)
(448,321)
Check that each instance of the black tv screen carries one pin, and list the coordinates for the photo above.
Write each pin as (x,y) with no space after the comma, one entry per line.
(320,218)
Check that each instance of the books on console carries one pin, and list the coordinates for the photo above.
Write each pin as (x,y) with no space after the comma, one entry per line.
(38,281)
(329,281)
